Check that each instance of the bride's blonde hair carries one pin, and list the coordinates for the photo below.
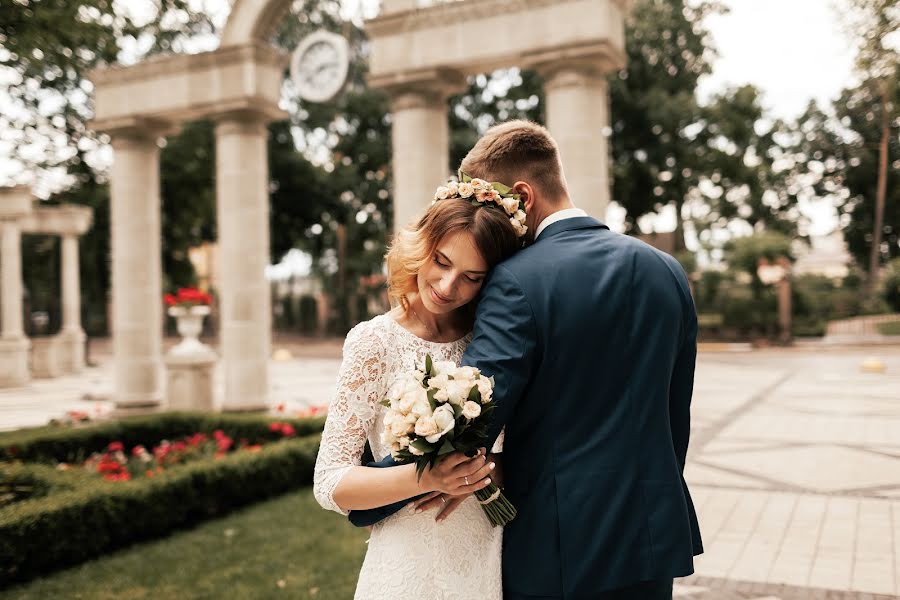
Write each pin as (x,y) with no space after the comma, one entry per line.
(414,245)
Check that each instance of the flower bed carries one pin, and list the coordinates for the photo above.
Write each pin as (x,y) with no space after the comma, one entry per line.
(74,511)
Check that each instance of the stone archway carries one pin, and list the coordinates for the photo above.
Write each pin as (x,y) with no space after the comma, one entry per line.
(573,43)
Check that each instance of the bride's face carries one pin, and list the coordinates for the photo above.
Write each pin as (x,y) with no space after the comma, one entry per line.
(453,275)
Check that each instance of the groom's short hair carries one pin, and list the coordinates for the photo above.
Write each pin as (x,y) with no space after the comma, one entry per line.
(518,151)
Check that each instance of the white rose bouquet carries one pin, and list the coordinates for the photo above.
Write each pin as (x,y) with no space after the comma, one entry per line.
(438,410)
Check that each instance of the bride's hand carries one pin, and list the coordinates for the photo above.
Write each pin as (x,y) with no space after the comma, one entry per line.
(457,474)
(444,502)
(447,503)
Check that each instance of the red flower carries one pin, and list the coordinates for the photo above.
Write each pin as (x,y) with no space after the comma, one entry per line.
(275,427)
(219,434)
(108,467)
(116,447)
(224,443)
(179,446)
(288,430)
(150,473)
(280,407)
(170,300)
(197,439)
(138,450)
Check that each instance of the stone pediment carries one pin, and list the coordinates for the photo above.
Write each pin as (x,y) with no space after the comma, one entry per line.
(476,37)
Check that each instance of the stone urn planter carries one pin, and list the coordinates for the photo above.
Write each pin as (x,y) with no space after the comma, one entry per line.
(189,321)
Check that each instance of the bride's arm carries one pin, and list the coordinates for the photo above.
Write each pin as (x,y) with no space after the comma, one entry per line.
(339,483)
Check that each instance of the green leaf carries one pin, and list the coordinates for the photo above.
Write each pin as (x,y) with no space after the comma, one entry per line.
(457,411)
(503,189)
(385,402)
(465,178)
(431,401)
(474,394)
(429,366)
(447,448)
(422,445)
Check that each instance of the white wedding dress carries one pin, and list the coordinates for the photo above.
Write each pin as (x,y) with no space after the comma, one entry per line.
(409,555)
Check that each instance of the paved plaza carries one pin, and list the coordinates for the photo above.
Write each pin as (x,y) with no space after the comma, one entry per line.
(794,462)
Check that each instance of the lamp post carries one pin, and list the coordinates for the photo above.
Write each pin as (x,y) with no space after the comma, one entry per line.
(778,273)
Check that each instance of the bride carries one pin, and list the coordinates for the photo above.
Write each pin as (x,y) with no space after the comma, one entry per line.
(436,268)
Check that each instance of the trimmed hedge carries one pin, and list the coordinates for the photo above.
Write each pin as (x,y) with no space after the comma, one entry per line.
(53,445)
(95,516)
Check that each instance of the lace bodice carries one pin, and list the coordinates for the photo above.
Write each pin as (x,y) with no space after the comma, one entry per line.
(407,553)
(375,352)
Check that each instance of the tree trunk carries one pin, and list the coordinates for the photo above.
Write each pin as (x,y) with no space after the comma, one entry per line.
(880,194)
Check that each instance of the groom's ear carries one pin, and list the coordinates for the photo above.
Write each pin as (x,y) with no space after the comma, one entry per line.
(526,194)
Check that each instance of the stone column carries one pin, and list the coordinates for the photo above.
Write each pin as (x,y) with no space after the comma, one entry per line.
(578,118)
(242,205)
(420,138)
(14,346)
(71,336)
(136,271)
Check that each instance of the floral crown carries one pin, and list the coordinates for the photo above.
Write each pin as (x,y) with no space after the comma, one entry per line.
(478,191)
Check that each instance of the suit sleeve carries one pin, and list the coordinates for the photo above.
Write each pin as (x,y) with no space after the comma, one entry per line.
(681,387)
(504,344)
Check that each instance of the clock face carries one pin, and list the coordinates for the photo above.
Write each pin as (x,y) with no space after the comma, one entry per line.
(319,66)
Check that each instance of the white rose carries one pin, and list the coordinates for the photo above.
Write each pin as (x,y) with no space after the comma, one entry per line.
(469,373)
(453,188)
(426,426)
(442,193)
(441,395)
(478,184)
(444,367)
(398,428)
(466,190)
(445,420)
(458,391)
(485,389)
(520,228)
(439,381)
(422,408)
(403,441)
(510,205)
(520,216)
(410,398)
(471,410)
(415,451)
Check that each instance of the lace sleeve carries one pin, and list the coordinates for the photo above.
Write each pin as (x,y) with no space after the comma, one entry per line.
(360,387)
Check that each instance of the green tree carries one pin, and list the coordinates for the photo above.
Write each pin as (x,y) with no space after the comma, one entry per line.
(657,147)
(47,49)
(745,175)
(837,151)
(872,23)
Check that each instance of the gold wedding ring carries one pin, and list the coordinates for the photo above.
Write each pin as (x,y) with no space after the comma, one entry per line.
(467,480)
(444,500)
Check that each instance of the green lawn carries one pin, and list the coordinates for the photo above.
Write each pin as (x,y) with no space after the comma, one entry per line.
(312,552)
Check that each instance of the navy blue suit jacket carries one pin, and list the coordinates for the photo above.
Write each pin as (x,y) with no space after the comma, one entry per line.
(591,338)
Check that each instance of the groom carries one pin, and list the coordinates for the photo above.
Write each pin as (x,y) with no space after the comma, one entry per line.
(591,338)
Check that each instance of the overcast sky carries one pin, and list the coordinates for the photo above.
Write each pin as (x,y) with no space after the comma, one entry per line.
(793,50)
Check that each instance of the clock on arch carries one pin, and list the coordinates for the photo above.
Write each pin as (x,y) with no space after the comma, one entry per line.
(319,66)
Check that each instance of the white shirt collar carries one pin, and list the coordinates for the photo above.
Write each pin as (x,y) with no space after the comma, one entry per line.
(567,213)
